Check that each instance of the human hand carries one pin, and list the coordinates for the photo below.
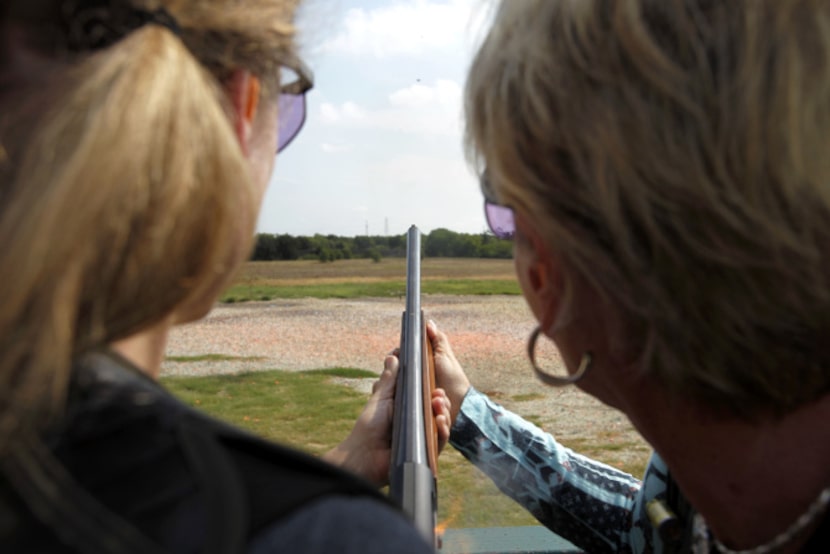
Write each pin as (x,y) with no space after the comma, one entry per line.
(449,375)
(368,448)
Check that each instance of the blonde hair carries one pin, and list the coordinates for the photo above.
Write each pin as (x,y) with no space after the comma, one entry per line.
(673,153)
(124,190)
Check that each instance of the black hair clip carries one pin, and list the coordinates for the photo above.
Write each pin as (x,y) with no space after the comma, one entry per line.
(96,24)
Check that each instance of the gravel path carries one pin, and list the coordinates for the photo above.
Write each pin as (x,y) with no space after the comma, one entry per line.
(487,332)
(488,335)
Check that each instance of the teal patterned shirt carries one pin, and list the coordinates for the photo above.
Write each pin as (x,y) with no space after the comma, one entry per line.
(593,505)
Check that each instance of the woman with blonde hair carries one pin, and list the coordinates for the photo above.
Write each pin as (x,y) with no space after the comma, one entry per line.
(136,141)
(662,168)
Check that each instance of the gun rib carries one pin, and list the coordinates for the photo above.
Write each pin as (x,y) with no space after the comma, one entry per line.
(412,473)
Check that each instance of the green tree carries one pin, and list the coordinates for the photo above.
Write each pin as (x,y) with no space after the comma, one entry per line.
(264,247)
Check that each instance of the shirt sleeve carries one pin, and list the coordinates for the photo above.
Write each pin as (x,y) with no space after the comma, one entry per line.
(593,505)
(344,525)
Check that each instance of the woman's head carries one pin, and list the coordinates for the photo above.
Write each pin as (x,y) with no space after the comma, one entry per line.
(126,194)
(671,153)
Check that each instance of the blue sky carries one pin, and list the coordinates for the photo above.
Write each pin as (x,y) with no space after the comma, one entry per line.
(382,144)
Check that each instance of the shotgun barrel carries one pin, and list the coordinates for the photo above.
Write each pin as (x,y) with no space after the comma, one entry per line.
(413,468)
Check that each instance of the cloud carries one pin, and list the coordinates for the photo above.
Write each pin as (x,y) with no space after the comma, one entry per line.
(332,148)
(444,95)
(436,192)
(421,171)
(347,111)
(409,28)
(419,108)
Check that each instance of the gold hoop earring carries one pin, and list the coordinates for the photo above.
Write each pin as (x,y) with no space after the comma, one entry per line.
(554,380)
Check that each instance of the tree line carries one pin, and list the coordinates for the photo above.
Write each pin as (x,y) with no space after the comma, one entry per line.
(328,248)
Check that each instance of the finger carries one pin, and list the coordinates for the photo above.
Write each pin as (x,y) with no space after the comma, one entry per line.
(439,340)
(441,404)
(385,385)
(432,329)
(443,417)
(442,424)
(443,428)
(441,394)
(391,365)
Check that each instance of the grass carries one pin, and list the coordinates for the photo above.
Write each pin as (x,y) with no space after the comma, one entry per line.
(306,410)
(608,446)
(262,281)
(300,409)
(346,372)
(303,271)
(265,292)
(212,358)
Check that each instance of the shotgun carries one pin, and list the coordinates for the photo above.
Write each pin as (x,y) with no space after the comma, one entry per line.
(413,469)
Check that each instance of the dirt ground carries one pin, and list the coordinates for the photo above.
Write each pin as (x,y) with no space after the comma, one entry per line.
(488,335)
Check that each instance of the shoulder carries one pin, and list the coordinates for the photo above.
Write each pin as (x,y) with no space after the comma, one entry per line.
(341,524)
(235,484)
(821,537)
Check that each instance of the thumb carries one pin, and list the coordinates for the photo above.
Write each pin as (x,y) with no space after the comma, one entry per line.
(384,387)
(439,340)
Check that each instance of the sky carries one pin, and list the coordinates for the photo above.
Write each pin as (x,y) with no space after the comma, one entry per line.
(382,145)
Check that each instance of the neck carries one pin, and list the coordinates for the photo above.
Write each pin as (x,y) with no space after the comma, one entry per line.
(750,481)
(146,348)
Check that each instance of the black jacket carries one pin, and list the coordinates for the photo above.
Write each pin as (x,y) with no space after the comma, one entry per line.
(132,469)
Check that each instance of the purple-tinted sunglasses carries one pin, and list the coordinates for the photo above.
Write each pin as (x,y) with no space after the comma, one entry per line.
(500,218)
(295,80)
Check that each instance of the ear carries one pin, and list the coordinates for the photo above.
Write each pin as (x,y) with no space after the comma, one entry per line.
(539,273)
(242,91)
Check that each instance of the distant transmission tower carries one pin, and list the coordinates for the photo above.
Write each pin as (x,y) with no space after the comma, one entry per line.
(367,227)
(386,227)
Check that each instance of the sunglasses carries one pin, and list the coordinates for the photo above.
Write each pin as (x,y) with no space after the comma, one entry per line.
(500,218)
(295,80)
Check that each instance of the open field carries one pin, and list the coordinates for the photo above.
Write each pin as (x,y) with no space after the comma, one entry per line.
(488,334)
(301,272)
(362,278)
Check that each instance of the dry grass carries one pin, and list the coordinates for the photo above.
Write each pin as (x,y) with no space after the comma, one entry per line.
(304,272)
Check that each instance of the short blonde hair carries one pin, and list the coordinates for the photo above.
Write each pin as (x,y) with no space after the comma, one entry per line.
(673,152)
(124,190)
